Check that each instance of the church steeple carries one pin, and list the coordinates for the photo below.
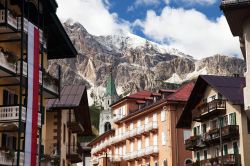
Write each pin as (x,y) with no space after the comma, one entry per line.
(110,96)
(111,88)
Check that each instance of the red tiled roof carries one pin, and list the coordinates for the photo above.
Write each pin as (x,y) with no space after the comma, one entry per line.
(141,94)
(182,94)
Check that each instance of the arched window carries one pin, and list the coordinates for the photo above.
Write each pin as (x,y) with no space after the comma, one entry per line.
(107,126)
(188,161)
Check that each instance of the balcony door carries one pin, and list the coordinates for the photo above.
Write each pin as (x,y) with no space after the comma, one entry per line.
(9,98)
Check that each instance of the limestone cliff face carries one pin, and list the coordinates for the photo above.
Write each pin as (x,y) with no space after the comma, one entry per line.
(137,63)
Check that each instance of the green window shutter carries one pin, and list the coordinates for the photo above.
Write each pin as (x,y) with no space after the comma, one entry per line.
(225,150)
(195,132)
(235,148)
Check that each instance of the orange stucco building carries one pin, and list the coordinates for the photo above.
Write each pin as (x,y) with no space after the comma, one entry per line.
(144,131)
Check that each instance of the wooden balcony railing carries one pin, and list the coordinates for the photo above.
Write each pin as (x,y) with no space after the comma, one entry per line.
(209,110)
(228,132)
(194,143)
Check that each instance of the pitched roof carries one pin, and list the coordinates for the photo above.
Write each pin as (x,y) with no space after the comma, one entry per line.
(141,95)
(181,94)
(230,87)
(70,97)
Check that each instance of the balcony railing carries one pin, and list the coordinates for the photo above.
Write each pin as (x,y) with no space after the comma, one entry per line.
(209,110)
(230,159)
(115,158)
(11,20)
(73,153)
(151,126)
(151,150)
(11,113)
(228,132)
(194,143)
(6,160)
(15,23)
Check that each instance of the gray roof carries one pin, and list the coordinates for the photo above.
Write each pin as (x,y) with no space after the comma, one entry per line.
(70,97)
(230,87)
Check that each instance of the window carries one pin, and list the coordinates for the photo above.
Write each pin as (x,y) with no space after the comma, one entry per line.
(198,130)
(186,134)
(214,124)
(225,149)
(225,121)
(188,162)
(155,117)
(156,163)
(139,123)
(164,163)
(131,126)
(9,98)
(205,154)
(64,133)
(163,137)
(155,139)
(195,131)
(198,156)
(204,128)
(146,120)
(63,162)
(147,142)
(4,140)
(139,145)
(131,146)
(232,118)
(235,148)
(163,115)
(107,126)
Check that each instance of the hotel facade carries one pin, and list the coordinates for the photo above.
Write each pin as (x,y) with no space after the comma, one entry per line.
(145,131)
(30,35)
(220,127)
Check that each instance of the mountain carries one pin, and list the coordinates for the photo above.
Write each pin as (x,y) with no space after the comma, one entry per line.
(137,63)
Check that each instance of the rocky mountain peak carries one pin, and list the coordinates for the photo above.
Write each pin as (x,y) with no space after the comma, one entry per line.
(137,63)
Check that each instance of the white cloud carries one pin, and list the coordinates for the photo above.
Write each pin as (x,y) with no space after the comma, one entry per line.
(201,2)
(190,31)
(93,15)
(147,2)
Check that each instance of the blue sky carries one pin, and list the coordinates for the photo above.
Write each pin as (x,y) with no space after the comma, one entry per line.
(195,27)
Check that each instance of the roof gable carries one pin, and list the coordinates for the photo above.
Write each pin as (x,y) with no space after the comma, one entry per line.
(230,87)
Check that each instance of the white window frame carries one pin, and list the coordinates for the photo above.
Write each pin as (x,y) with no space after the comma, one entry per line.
(163,115)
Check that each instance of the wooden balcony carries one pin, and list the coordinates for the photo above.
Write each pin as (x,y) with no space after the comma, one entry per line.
(228,160)
(209,110)
(10,27)
(229,132)
(194,143)
(73,154)
(74,125)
